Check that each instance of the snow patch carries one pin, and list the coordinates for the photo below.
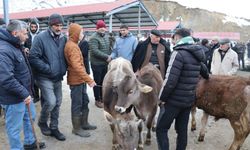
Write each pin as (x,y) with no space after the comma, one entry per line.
(239,21)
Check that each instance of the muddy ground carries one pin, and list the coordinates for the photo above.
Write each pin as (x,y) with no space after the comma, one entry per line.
(219,134)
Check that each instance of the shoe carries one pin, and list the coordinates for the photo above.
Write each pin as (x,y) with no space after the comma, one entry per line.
(44,128)
(33,146)
(85,124)
(99,104)
(57,134)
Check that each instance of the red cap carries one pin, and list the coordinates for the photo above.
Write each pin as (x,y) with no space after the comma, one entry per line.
(100,24)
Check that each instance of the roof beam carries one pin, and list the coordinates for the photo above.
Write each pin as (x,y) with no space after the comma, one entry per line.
(124,7)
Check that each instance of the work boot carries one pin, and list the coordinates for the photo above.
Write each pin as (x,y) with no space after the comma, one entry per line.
(77,130)
(85,123)
(57,134)
(99,104)
(33,146)
(44,128)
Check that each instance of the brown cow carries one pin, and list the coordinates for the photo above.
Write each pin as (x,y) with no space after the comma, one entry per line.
(121,90)
(227,97)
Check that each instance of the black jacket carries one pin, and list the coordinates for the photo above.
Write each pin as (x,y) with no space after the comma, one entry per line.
(84,46)
(141,50)
(183,75)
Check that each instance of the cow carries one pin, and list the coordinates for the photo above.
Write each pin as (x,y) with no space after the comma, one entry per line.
(225,97)
(123,91)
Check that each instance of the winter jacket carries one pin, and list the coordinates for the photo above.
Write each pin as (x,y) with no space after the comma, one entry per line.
(99,49)
(47,56)
(31,36)
(124,47)
(228,66)
(84,47)
(76,70)
(183,75)
(143,52)
(16,79)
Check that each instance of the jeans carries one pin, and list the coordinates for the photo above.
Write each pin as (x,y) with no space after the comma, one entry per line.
(99,71)
(17,116)
(79,99)
(52,98)
(167,115)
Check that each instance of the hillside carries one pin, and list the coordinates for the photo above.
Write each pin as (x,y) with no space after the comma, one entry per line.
(197,19)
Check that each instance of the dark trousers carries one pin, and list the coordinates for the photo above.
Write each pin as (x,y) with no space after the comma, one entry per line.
(167,115)
(99,71)
(79,102)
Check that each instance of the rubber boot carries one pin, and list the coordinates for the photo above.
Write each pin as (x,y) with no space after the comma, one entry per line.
(77,130)
(85,123)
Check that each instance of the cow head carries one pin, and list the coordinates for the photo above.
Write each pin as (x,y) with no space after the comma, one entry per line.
(128,131)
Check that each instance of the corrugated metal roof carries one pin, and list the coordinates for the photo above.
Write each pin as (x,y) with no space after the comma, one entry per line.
(167,25)
(211,35)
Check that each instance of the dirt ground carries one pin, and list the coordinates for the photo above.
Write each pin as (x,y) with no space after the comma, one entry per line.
(219,134)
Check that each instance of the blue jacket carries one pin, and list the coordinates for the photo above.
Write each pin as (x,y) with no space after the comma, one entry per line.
(15,74)
(183,75)
(124,47)
(47,56)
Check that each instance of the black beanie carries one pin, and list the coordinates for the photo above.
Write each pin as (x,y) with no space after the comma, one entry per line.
(55,19)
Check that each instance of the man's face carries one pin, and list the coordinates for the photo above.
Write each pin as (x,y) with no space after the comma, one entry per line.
(81,35)
(57,28)
(124,32)
(224,47)
(22,35)
(33,28)
(101,30)
(155,39)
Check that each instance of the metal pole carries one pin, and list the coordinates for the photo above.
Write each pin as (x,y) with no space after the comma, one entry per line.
(110,23)
(6,11)
(139,21)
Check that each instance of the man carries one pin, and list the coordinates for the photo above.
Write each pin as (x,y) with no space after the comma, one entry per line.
(213,46)
(33,31)
(76,78)
(178,91)
(225,60)
(99,58)
(48,62)
(153,50)
(125,44)
(16,86)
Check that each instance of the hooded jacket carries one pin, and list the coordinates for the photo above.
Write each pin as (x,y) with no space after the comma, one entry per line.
(16,78)
(76,70)
(31,35)
(182,75)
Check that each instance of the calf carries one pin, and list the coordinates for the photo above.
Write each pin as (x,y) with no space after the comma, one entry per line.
(122,91)
(227,97)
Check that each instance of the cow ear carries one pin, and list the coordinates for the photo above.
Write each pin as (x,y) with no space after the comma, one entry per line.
(145,88)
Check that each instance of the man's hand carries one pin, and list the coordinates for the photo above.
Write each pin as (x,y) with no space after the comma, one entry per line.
(92,84)
(27,100)
(109,58)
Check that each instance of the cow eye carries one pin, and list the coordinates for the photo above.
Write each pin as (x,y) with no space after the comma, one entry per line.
(130,91)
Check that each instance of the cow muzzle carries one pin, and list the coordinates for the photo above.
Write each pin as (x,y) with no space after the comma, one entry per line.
(119,109)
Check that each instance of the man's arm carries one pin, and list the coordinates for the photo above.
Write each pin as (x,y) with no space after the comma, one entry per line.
(235,66)
(93,46)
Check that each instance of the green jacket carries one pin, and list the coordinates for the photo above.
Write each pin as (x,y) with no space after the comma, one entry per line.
(99,49)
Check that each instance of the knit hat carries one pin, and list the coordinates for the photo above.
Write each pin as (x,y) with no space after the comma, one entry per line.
(55,19)
(100,24)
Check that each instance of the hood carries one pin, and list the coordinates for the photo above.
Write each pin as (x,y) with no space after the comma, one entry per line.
(34,21)
(197,51)
(6,36)
(74,32)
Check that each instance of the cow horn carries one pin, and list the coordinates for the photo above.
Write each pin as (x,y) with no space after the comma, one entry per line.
(145,88)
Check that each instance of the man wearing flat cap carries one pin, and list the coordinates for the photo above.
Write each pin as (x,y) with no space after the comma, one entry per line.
(48,62)
(224,60)
(153,50)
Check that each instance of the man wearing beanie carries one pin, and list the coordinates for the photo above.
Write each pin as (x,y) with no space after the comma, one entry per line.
(48,62)
(177,95)
(77,77)
(154,50)
(100,51)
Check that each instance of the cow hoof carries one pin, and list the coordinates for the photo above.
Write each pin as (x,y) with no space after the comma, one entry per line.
(193,128)
(148,142)
(201,138)
(140,147)
(116,147)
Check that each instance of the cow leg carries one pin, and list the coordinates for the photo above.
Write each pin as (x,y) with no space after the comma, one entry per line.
(115,146)
(204,120)
(193,121)
(150,122)
(140,143)
(241,129)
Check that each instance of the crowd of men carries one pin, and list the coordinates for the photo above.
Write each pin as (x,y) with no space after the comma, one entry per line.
(33,64)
